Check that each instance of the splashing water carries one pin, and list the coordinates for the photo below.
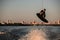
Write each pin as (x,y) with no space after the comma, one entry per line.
(35,35)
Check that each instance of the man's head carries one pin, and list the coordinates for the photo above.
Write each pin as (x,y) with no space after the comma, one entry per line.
(44,9)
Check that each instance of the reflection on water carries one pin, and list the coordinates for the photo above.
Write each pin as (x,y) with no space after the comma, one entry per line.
(35,34)
(30,33)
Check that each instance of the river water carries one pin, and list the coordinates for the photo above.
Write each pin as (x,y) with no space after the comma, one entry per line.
(34,32)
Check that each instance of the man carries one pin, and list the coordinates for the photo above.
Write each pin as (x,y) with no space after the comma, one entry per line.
(42,13)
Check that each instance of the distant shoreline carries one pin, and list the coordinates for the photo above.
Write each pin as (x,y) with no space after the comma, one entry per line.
(20,24)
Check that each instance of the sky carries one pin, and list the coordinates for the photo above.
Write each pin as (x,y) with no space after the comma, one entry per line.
(19,10)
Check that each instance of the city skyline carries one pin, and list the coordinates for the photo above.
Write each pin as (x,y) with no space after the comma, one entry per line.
(26,10)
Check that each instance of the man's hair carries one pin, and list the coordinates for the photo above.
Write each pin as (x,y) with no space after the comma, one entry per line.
(44,9)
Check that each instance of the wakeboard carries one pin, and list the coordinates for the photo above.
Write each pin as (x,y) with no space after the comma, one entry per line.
(42,18)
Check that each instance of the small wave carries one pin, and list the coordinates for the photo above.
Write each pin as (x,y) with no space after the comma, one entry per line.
(35,34)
